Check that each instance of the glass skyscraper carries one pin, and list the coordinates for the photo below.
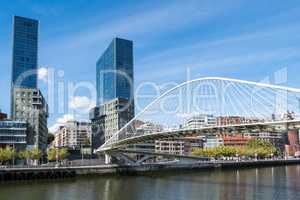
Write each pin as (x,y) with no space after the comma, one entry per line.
(27,102)
(115,102)
(25,52)
(115,72)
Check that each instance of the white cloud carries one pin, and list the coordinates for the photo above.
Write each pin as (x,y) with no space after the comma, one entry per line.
(43,74)
(60,121)
(81,102)
(65,118)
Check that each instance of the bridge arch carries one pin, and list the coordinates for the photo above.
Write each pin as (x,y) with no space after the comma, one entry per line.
(221,97)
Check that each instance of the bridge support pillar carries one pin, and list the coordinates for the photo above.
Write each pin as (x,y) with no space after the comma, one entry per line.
(107,159)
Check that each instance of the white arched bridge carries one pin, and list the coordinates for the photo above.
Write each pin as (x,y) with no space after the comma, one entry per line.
(211,105)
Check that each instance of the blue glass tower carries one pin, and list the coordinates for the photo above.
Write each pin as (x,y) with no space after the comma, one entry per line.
(25,52)
(114,74)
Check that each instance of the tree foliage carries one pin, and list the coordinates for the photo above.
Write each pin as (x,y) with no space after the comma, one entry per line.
(220,151)
(259,148)
(24,154)
(6,154)
(63,153)
(59,154)
(51,154)
(255,143)
(35,154)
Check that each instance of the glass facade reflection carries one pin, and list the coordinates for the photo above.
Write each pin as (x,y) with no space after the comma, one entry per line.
(115,72)
(25,52)
(13,133)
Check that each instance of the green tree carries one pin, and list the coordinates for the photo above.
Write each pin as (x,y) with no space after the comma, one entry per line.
(243,151)
(255,143)
(11,153)
(24,155)
(63,153)
(199,152)
(35,154)
(51,154)
(60,154)
(2,156)
(216,152)
(7,154)
(261,148)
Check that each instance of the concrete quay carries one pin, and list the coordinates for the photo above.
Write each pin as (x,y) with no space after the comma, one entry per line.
(34,173)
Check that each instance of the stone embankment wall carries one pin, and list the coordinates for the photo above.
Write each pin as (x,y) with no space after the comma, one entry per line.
(16,174)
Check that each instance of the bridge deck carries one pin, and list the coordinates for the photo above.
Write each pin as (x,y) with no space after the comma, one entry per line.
(237,128)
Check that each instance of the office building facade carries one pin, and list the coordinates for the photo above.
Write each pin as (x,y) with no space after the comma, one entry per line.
(25,52)
(30,106)
(193,143)
(200,121)
(110,118)
(115,101)
(27,102)
(73,135)
(114,72)
(97,118)
(148,127)
(212,142)
(293,145)
(175,147)
(14,134)
(236,140)
(234,120)
(183,146)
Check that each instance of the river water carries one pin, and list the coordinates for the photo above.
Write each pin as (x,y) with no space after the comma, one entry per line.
(262,183)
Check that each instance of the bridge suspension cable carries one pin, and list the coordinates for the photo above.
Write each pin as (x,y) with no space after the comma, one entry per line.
(212,101)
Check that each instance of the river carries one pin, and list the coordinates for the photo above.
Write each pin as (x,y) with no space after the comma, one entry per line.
(261,183)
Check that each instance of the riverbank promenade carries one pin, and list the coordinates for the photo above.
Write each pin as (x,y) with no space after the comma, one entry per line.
(33,173)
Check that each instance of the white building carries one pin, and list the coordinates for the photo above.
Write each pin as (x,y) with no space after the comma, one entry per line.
(184,146)
(200,121)
(73,134)
(149,127)
(212,142)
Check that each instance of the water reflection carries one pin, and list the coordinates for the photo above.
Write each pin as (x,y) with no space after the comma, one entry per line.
(264,183)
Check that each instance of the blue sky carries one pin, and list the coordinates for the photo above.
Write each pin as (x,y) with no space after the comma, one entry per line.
(247,40)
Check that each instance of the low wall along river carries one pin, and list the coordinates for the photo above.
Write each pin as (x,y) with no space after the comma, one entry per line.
(13,174)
